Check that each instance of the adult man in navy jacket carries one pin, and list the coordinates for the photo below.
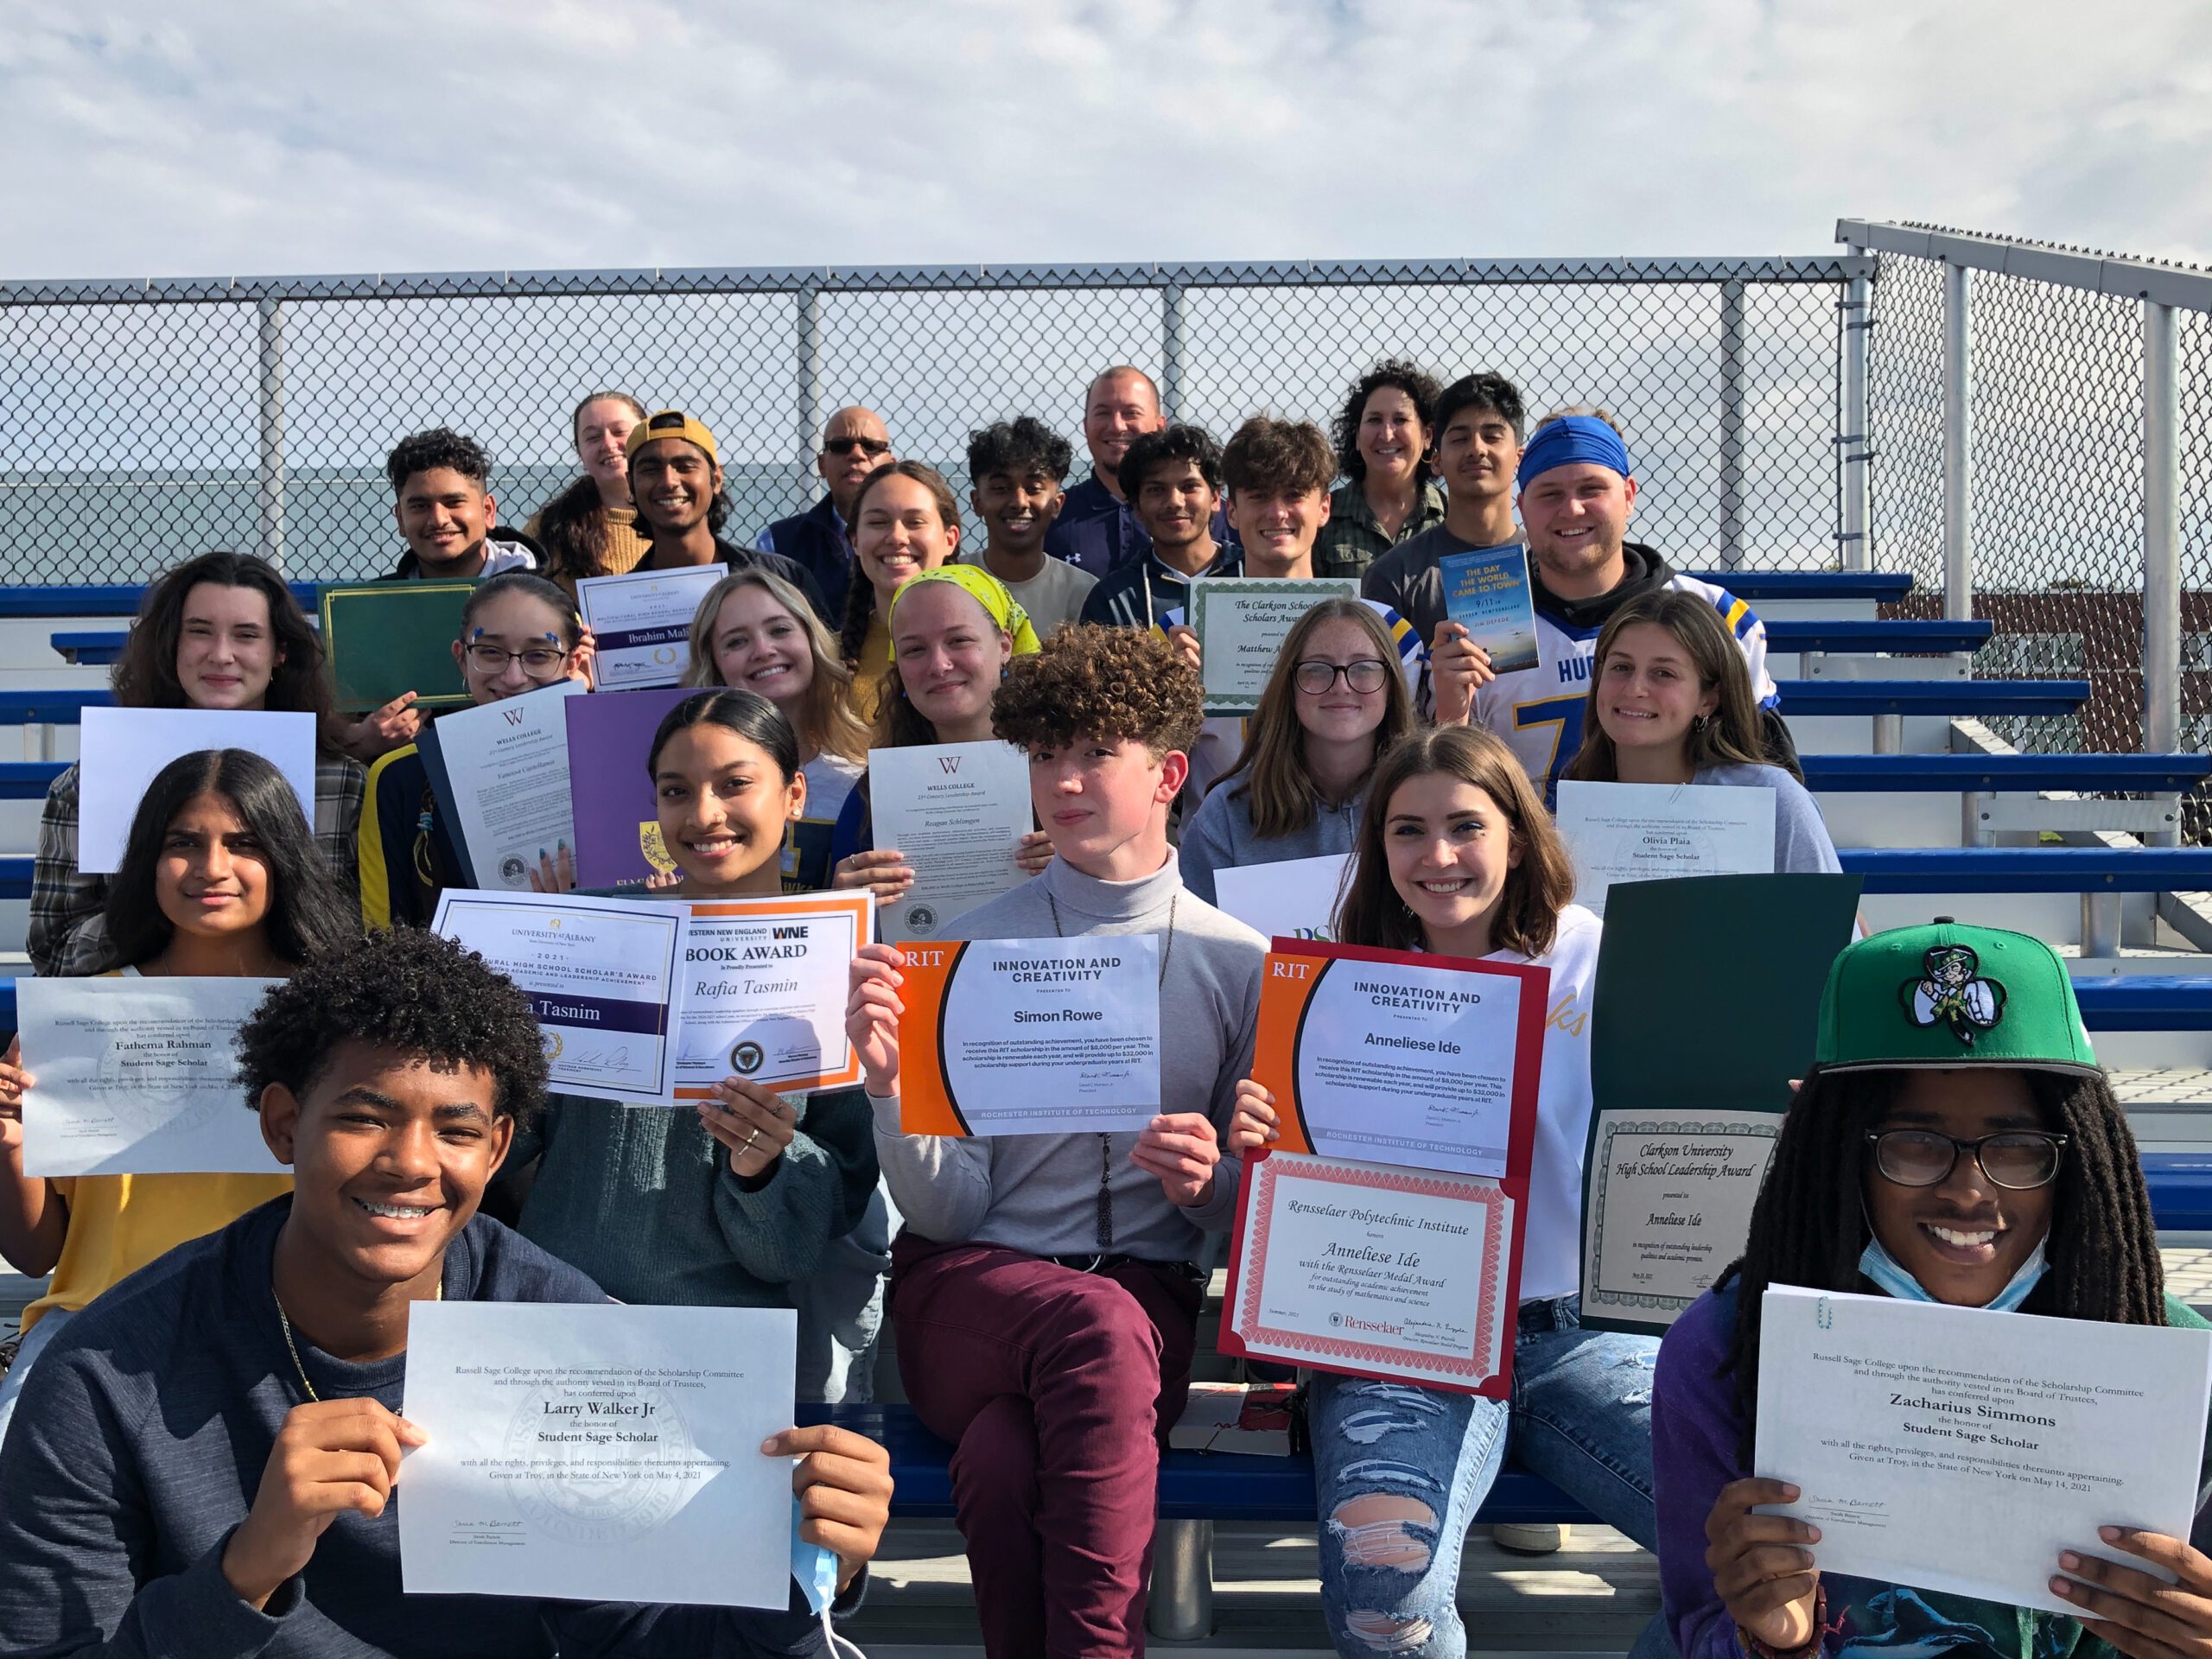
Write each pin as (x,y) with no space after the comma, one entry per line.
(854,443)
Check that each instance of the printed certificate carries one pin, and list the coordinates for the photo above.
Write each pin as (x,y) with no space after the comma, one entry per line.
(1377,1271)
(1294,899)
(601,974)
(138,1077)
(1653,832)
(1486,591)
(1241,622)
(957,811)
(122,750)
(764,986)
(601,1454)
(1030,1036)
(1387,1055)
(1958,1451)
(1669,1202)
(642,623)
(500,775)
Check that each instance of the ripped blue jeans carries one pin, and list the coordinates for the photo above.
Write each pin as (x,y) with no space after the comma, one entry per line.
(1401,1471)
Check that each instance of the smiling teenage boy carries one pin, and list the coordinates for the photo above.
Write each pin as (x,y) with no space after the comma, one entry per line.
(1019,467)
(1172,480)
(203,1465)
(442,502)
(675,478)
(1044,1292)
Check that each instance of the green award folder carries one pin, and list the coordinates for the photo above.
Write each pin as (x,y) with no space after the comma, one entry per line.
(1707,996)
(386,637)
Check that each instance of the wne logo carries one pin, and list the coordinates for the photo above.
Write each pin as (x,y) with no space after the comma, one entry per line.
(793,930)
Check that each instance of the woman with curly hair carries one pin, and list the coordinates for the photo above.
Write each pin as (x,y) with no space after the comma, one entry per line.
(1384,434)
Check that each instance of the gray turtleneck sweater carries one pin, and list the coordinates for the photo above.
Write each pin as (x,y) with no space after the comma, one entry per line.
(1039,1192)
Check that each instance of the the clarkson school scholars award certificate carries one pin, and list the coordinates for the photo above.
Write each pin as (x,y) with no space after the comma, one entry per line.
(138,1077)
(1958,1451)
(598,1452)
(1394,1056)
(1241,622)
(642,623)
(957,811)
(500,775)
(1376,1271)
(1030,1036)
(1486,591)
(1685,1102)
(601,972)
(1654,832)
(765,983)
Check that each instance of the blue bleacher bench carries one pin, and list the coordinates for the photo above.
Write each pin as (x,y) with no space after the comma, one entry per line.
(2123,774)
(51,708)
(1194,1485)
(1883,587)
(86,650)
(106,599)
(1786,633)
(28,780)
(1944,697)
(2030,869)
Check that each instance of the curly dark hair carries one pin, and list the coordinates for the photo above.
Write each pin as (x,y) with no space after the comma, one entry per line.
(1091,681)
(403,988)
(1411,379)
(145,676)
(1171,443)
(1265,454)
(1019,447)
(440,447)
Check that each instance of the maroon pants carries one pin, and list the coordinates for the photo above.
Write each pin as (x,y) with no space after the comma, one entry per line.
(1055,1388)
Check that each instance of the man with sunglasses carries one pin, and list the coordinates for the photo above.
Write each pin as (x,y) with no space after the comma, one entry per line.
(854,443)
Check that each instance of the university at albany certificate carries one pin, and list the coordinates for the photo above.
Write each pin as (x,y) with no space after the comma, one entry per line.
(598,1452)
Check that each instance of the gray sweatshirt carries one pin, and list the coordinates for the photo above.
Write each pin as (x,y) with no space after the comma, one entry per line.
(1220,836)
(1039,1192)
(1802,846)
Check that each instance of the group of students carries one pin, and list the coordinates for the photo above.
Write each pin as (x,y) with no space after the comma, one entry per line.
(204,1435)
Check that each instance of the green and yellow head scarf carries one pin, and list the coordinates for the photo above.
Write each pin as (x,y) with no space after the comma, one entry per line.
(998,603)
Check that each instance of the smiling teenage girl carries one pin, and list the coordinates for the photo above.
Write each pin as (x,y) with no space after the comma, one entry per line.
(904,521)
(590,529)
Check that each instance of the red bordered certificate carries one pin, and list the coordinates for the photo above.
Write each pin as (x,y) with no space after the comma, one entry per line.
(1377,1271)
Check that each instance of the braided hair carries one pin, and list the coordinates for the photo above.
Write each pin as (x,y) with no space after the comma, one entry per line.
(1809,1227)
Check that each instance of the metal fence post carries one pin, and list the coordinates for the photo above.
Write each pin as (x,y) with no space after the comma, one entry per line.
(1958,435)
(2162,625)
(268,473)
(1171,351)
(1732,425)
(810,369)
(1855,441)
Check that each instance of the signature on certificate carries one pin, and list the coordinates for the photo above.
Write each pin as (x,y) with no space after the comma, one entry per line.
(608,1062)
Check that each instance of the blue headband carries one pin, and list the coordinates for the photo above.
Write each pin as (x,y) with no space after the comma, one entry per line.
(1569,440)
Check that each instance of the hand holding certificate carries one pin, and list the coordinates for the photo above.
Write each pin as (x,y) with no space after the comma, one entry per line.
(138,1077)
(598,1452)
(1241,623)
(1897,1421)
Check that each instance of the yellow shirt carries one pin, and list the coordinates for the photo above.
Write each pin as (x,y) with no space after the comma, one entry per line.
(117,1224)
(868,679)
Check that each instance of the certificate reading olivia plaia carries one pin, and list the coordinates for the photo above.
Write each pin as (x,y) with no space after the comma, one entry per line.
(1030,1036)
(765,983)
(1398,1057)
(1377,1271)
(601,974)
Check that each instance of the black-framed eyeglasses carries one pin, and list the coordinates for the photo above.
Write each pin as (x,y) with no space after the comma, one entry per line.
(2019,1160)
(1315,677)
(539,662)
(846,446)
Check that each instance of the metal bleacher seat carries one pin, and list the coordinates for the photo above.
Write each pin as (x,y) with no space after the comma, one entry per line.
(1802,634)
(2030,869)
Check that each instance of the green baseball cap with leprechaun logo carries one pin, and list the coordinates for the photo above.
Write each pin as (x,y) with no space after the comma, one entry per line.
(1951,995)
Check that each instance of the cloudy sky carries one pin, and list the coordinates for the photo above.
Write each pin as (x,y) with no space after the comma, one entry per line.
(223,137)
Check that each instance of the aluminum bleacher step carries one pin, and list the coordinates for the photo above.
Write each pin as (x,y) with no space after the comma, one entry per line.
(1883,587)
(1800,698)
(2030,869)
(2132,774)
(1796,634)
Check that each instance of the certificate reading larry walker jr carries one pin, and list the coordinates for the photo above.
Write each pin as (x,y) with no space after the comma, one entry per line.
(601,1454)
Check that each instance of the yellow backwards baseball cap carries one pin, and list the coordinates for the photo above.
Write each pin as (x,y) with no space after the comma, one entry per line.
(670,423)
(1951,996)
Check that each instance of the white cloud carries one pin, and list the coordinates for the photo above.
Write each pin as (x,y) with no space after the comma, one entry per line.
(414,135)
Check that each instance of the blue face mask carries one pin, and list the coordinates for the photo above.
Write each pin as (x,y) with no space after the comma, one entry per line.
(1877,1264)
(814,1567)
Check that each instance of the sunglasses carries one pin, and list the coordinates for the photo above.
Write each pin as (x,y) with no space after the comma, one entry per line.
(846,446)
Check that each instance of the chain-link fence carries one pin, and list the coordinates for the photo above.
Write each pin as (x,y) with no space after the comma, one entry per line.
(2056,388)
(142,423)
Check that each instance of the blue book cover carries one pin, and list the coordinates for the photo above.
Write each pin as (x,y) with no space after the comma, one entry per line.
(1486,591)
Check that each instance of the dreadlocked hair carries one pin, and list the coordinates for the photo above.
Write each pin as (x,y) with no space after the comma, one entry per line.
(1809,1227)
